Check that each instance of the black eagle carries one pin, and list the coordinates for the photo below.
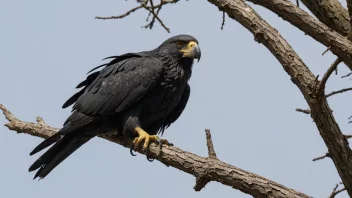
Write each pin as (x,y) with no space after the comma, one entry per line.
(137,95)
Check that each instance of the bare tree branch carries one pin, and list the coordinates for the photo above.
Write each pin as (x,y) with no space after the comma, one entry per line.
(306,111)
(300,75)
(321,157)
(327,49)
(151,9)
(340,45)
(331,13)
(326,76)
(335,191)
(122,15)
(223,20)
(349,6)
(339,91)
(201,179)
(347,75)
(205,169)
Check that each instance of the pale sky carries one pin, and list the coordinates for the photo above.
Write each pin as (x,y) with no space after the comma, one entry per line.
(238,90)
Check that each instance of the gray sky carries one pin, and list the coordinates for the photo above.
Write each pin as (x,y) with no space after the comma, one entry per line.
(239,91)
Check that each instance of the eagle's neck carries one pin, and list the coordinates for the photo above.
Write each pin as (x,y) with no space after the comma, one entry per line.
(177,68)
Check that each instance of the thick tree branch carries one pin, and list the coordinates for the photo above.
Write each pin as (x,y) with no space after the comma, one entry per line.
(321,113)
(340,45)
(349,6)
(204,169)
(331,13)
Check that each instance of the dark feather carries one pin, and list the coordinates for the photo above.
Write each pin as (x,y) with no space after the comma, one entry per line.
(49,141)
(176,113)
(55,157)
(73,99)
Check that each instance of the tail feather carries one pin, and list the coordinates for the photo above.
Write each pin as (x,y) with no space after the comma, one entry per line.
(51,153)
(77,130)
(47,142)
(50,163)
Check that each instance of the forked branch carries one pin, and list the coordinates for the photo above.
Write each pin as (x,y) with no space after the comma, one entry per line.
(152,10)
(205,169)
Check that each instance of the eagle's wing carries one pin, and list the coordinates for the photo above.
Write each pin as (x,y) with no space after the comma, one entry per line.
(119,86)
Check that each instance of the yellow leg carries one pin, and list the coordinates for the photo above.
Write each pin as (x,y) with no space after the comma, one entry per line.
(142,135)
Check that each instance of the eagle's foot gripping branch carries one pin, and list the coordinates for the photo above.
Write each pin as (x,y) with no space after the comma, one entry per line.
(148,139)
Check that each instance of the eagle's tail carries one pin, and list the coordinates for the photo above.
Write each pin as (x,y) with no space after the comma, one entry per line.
(65,145)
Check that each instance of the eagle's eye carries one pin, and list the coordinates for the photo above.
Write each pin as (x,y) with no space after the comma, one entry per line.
(180,44)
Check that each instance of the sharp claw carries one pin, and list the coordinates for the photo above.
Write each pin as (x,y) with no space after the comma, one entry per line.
(131,149)
(147,154)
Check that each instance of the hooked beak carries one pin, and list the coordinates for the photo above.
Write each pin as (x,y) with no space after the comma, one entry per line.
(191,50)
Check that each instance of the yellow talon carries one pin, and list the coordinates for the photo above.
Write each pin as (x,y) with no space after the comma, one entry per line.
(142,135)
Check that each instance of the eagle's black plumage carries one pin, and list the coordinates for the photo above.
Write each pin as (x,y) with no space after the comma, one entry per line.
(147,89)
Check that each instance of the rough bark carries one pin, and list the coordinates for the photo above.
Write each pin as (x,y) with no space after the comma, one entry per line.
(331,13)
(321,113)
(205,169)
(338,44)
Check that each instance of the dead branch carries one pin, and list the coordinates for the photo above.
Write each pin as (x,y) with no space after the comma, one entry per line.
(151,24)
(300,74)
(313,27)
(204,169)
(223,20)
(349,7)
(321,157)
(120,16)
(335,191)
(327,49)
(306,111)
(201,179)
(331,13)
(347,75)
(151,11)
(326,76)
(338,92)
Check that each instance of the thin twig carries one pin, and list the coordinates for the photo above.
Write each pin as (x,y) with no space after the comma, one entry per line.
(347,75)
(223,20)
(297,3)
(306,111)
(120,16)
(348,136)
(339,91)
(201,176)
(210,145)
(327,49)
(322,157)
(151,24)
(157,17)
(335,191)
(326,76)
(151,9)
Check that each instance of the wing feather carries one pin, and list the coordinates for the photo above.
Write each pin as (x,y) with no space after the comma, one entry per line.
(119,86)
